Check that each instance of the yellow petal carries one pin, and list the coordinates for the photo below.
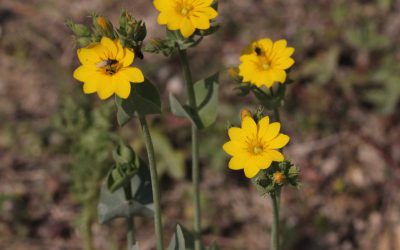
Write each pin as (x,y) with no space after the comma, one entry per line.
(279,46)
(121,51)
(187,28)
(200,22)
(275,155)
(236,134)
(111,46)
(89,55)
(272,131)
(123,89)
(251,171)
(279,75)
(249,126)
(266,45)
(162,5)
(263,126)
(237,162)
(280,141)
(174,21)
(202,3)
(128,58)
(266,162)
(131,74)
(284,63)
(105,88)
(89,87)
(260,161)
(210,12)
(84,72)
(288,52)
(233,148)
(162,18)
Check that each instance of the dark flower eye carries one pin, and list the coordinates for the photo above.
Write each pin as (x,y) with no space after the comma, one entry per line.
(258,51)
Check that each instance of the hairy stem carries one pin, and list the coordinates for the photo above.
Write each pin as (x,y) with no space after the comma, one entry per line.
(154,182)
(195,149)
(275,244)
(130,226)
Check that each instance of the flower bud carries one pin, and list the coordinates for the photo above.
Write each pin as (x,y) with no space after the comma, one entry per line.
(279,178)
(233,73)
(103,27)
(79,30)
(102,22)
(245,112)
(123,154)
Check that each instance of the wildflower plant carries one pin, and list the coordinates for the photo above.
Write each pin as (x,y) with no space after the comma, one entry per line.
(131,187)
(257,146)
(106,54)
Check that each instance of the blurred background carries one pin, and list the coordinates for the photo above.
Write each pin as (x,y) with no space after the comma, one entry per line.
(342,113)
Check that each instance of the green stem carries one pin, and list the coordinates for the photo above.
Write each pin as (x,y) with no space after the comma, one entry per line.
(195,149)
(154,182)
(275,244)
(130,226)
(275,109)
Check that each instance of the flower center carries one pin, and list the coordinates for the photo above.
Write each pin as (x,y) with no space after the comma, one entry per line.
(184,11)
(266,66)
(110,66)
(258,149)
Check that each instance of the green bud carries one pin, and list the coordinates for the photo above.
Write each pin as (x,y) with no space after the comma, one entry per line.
(123,154)
(79,30)
(83,41)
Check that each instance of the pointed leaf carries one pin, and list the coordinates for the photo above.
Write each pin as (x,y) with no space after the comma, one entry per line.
(114,205)
(207,98)
(184,111)
(143,100)
(182,239)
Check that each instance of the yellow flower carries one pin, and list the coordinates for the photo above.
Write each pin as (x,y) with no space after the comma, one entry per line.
(254,146)
(185,15)
(106,69)
(264,62)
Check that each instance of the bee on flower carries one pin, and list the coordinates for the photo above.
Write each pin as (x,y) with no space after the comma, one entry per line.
(264,62)
(185,15)
(106,69)
(254,146)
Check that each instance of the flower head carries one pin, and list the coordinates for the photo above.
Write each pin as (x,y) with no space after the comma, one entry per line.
(254,146)
(106,69)
(264,62)
(185,15)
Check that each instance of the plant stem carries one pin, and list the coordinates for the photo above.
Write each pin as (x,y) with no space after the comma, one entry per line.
(195,149)
(154,182)
(275,109)
(130,223)
(275,244)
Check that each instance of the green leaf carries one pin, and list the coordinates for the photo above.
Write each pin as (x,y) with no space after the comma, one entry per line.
(184,111)
(143,100)
(181,240)
(114,205)
(206,92)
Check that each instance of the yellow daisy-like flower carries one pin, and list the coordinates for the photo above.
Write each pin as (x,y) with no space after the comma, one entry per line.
(185,15)
(254,146)
(264,62)
(106,69)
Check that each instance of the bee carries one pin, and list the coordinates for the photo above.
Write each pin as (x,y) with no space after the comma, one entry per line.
(106,63)
(258,51)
